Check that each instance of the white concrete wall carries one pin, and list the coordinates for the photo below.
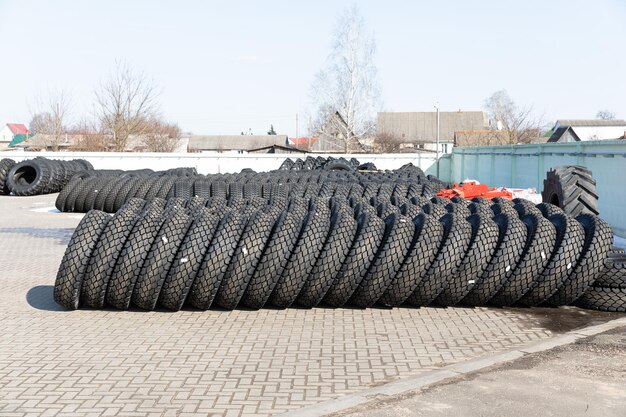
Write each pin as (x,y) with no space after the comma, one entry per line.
(215,163)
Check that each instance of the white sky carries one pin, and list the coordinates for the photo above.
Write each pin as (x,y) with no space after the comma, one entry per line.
(226,66)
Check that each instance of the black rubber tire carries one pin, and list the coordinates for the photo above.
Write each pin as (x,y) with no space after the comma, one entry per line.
(159,260)
(424,248)
(540,244)
(303,256)
(614,275)
(30,177)
(369,236)
(106,253)
(116,197)
(99,202)
(338,166)
(570,238)
(133,255)
(333,255)
(483,244)
(572,188)
(456,242)
(99,188)
(603,299)
(83,191)
(216,261)
(188,261)
(245,259)
(273,261)
(5,167)
(61,201)
(511,243)
(598,240)
(69,279)
(391,254)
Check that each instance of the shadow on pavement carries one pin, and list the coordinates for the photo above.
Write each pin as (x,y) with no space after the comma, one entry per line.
(63,235)
(41,298)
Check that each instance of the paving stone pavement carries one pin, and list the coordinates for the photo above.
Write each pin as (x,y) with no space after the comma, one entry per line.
(239,363)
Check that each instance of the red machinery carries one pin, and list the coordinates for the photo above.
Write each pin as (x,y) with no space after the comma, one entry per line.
(471,189)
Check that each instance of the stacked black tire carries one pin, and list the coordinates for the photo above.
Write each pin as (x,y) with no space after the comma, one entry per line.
(108,190)
(38,176)
(334,250)
(109,193)
(320,162)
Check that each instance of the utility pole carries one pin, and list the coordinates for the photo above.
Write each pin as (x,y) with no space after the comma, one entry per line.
(437,160)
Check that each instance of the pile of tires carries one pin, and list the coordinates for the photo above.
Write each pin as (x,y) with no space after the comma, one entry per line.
(108,193)
(320,162)
(279,250)
(38,176)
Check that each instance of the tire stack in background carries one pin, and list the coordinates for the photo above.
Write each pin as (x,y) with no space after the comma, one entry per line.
(108,190)
(39,175)
(109,193)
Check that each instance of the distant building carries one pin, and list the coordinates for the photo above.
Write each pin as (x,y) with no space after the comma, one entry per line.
(584,130)
(305,143)
(417,131)
(276,149)
(234,143)
(13,133)
(333,136)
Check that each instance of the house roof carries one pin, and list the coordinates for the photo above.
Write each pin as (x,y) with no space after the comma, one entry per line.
(302,142)
(287,148)
(18,128)
(560,131)
(235,142)
(590,122)
(420,127)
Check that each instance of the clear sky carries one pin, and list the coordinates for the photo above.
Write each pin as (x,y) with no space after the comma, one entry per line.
(226,66)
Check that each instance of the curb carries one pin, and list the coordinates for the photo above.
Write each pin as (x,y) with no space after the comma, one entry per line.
(448,372)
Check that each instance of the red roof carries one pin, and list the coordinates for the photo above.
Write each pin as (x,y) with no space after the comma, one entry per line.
(302,141)
(18,128)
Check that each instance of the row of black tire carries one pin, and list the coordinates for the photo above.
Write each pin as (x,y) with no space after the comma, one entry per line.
(327,163)
(108,193)
(38,176)
(45,176)
(216,252)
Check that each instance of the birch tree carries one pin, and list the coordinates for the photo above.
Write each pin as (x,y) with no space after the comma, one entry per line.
(346,91)
(515,124)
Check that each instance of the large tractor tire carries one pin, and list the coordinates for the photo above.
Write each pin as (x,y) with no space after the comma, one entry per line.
(572,188)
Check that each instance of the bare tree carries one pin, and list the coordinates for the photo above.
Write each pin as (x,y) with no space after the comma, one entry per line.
(348,86)
(161,136)
(606,115)
(49,119)
(386,143)
(124,102)
(517,124)
(88,136)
